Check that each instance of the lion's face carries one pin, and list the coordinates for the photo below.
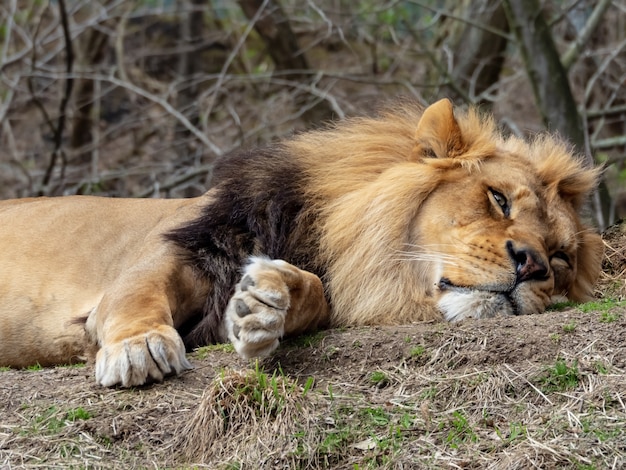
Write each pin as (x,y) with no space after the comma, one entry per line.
(433,214)
(499,240)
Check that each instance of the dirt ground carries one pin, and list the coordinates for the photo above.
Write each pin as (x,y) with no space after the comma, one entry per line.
(542,391)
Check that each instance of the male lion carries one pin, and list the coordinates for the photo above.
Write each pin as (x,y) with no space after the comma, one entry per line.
(413,215)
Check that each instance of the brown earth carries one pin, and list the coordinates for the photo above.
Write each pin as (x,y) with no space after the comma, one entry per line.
(541,391)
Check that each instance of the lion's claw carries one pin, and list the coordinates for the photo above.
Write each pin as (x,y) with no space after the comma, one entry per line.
(140,359)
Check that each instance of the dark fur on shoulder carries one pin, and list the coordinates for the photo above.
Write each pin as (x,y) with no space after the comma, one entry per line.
(258,209)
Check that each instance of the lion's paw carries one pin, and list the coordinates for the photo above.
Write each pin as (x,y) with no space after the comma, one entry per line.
(255,316)
(142,358)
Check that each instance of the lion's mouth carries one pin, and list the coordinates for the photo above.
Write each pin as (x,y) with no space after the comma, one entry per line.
(446,285)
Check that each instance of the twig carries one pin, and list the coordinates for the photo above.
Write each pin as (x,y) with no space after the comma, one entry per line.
(167,107)
(573,52)
(442,70)
(232,56)
(600,113)
(609,142)
(7,33)
(69,84)
(528,382)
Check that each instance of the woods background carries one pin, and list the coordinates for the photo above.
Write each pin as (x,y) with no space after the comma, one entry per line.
(138,98)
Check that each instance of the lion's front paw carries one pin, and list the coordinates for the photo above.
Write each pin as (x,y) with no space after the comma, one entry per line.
(255,316)
(142,358)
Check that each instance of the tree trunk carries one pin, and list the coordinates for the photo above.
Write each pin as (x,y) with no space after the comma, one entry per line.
(547,75)
(550,84)
(274,28)
(92,53)
(282,46)
(479,52)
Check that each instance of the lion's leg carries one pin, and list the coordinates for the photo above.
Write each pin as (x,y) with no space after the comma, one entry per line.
(133,328)
(273,299)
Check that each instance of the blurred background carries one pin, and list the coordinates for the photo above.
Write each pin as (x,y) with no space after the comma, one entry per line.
(138,98)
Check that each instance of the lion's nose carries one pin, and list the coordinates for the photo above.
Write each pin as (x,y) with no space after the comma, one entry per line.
(528,264)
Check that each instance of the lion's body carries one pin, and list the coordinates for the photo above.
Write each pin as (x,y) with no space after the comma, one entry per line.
(58,257)
(411,216)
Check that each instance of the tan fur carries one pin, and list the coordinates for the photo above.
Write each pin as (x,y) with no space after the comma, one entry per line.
(406,207)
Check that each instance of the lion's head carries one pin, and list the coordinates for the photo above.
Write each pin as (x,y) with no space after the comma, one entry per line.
(425,213)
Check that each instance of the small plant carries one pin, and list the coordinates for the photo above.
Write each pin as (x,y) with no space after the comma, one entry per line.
(460,432)
(379,378)
(603,305)
(555,337)
(376,416)
(516,431)
(561,377)
(559,306)
(570,327)
(307,341)
(5,369)
(418,351)
(601,367)
(203,351)
(46,421)
(308,385)
(78,414)
(609,317)
(429,393)
(34,368)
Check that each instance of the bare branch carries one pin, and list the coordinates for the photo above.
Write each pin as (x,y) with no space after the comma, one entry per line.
(233,54)
(69,83)
(572,54)
(609,142)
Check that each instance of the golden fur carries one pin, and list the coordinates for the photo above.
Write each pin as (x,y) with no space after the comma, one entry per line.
(412,215)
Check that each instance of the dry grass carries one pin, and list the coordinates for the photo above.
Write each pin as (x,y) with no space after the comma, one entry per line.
(248,419)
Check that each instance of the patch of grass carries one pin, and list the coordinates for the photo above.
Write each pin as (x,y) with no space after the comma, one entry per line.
(47,421)
(429,393)
(516,431)
(204,351)
(555,337)
(379,378)
(609,317)
(76,365)
(601,367)
(335,441)
(52,420)
(561,377)
(330,352)
(559,306)
(264,391)
(34,367)
(570,327)
(460,431)
(78,414)
(311,340)
(417,351)
(603,305)
(5,369)
(376,417)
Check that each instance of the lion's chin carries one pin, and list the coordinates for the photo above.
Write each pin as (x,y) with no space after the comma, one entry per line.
(467,303)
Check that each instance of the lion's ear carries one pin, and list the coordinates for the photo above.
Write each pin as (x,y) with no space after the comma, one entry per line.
(438,133)
(588,266)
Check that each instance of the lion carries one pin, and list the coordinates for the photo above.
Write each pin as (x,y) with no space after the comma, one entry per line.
(415,214)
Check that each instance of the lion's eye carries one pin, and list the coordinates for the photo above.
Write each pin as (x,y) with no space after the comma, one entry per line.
(501,201)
